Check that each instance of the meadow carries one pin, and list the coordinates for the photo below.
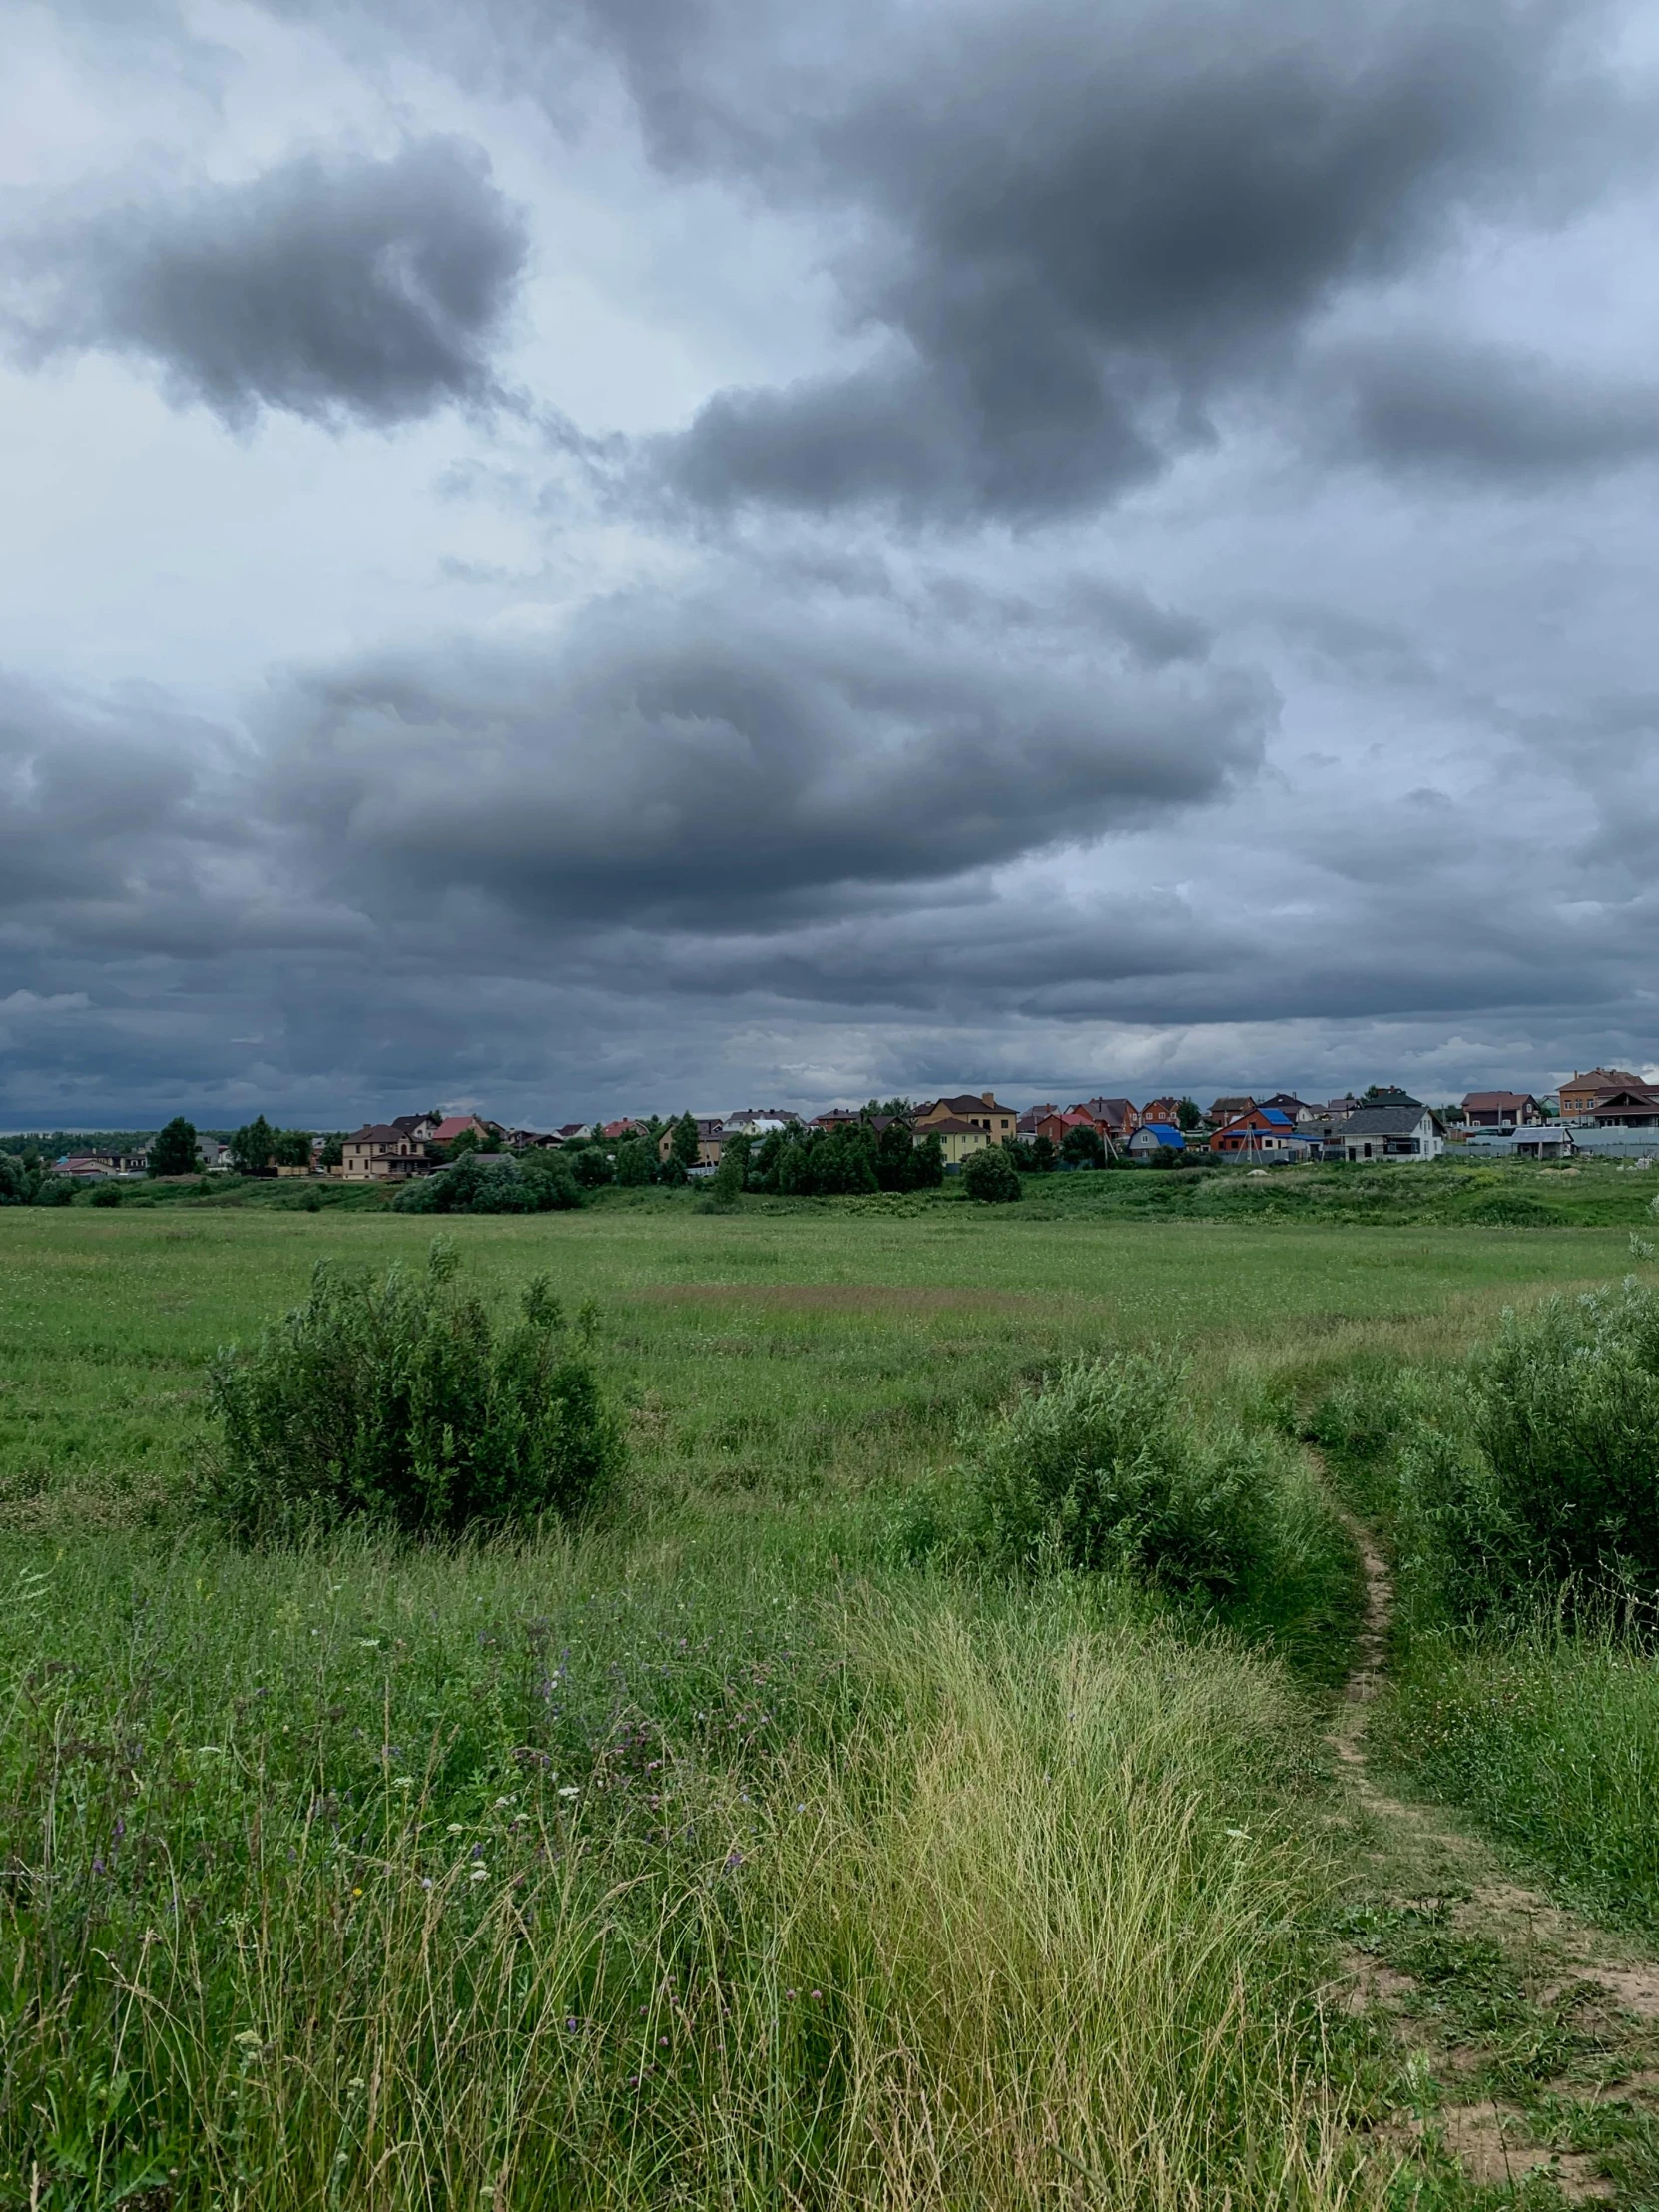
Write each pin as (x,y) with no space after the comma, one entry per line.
(739,1848)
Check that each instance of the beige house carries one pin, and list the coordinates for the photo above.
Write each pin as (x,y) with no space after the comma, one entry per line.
(958,1138)
(979,1111)
(383,1151)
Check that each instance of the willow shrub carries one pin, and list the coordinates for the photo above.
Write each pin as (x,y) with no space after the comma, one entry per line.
(1101,1468)
(401,1401)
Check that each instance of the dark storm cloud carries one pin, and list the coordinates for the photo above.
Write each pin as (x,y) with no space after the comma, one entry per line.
(337,288)
(1488,411)
(1072,228)
(743,749)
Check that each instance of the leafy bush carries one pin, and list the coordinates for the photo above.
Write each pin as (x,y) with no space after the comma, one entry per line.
(105,1194)
(399,1401)
(991,1177)
(1539,1477)
(536,1184)
(1099,1470)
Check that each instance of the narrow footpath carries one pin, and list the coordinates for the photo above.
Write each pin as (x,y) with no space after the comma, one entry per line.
(1529,2037)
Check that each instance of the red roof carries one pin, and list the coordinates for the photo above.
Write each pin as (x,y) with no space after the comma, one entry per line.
(451,1126)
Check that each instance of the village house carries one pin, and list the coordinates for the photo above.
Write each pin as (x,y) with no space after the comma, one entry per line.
(1153,1137)
(460,1125)
(1056,1127)
(381,1151)
(710,1140)
(1164,1110)
(1579,1098)
(1226,1110)
(1265,1130)
(1387,1133)
(978,1112)
(1115,1118)
(958,1139)
(1632,1106)
(1501,1109)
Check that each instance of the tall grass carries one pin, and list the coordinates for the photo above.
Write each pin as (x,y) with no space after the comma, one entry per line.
(380,1879)
(1551,1738)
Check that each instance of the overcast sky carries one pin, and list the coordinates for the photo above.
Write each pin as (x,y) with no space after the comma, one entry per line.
(563,555)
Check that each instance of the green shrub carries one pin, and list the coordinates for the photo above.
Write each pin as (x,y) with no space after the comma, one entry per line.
(991,1177)
(1099,1468)
(106,1194)
(538,1182)
(399,1401)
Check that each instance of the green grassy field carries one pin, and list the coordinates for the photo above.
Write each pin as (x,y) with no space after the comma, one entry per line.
(724,1854)
(779,1350)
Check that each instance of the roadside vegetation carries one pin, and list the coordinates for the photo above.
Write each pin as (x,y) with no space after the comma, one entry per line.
(713,1700)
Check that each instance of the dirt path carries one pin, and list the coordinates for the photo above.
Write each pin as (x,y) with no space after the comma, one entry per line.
(1529,2038)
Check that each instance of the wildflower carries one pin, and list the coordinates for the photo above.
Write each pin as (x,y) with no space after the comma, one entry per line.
(368,1643)
(456,1829)
(480,1874)
(1241,1834)
(357,2083)
(356,1892)
(425,1882)
(249,2038)
(569,1789)
(403,1781)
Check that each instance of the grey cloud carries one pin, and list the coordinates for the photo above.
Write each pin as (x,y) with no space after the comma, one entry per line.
(1492,413)
(742,750)
(339,289)
(1075,227)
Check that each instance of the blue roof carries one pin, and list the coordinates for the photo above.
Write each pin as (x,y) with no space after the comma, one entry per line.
(1277,1115)
(1165,1132)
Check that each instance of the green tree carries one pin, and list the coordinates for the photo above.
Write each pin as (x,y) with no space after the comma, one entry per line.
(895,1156)
(731,1175)
(468,1141)
(1084,1147)
(251,1146)
(1187,1116)
(173,1150)
(332,1154)
(682,1145)
(929,1162)
(634,1161)
(592,1167)
(991,1177)
(292,1148)
(1043,1156)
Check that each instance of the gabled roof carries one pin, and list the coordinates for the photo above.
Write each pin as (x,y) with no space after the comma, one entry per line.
(969,1102)
(1108,1109)
(1610,1078)
(953,1126)
(1386,1121)
(1165,1132)
(1497,1102)
(453,1126)
(378,1132)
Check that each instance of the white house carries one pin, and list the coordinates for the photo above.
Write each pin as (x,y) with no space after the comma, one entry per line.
(1387,1133)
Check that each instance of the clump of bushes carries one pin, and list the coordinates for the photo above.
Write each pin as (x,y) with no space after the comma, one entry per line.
(1548,1482)
(991,1177)
(1101,1468)
(401,1400)
(535,1183)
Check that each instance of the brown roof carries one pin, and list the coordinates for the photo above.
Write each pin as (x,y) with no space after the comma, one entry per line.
(1611,1079)
(377,1131)
(953,1126)
(1497,1102)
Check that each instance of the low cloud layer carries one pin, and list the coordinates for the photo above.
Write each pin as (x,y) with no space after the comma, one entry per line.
(1065,546)
(340,289)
